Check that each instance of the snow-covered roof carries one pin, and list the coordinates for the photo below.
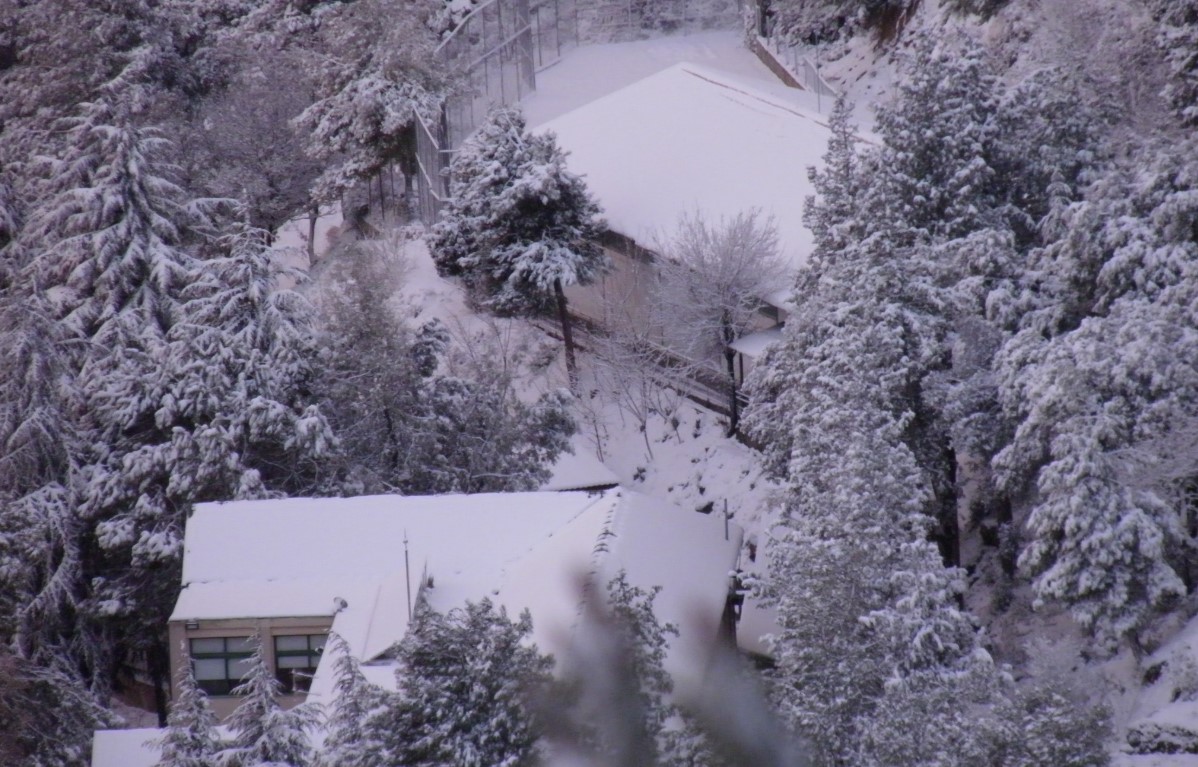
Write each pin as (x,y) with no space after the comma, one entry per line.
(754,344)
(693,138)
(580,470)
(344,558)
(126,748)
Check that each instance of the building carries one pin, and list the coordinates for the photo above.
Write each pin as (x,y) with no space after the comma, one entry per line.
(689,139)
(292,570)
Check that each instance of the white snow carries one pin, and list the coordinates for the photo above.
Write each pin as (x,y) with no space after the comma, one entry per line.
(580,470)
(694,138)
(755,344)
(344,557)
(593,71)
(125,748)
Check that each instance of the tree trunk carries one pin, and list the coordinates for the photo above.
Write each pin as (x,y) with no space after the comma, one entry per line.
(382,200)
(313,215)
(950,542)
(563,316)
(728,336)
(733,392)
(158,664)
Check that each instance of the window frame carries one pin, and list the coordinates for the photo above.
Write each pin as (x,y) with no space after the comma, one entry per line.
(297,680)
(219,687)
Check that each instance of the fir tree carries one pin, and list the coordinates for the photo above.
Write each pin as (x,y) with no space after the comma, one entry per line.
(48,717)
(463,686)
(1178,37)
(190,739)
(519,226)
(262,732)
(420,412)
(371,83)
(348,742)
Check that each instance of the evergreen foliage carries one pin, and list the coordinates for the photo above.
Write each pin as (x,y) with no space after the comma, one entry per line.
(371,83)
(415,413)
(263,734)
(519,226)
(155,365)
(818,21)
(348,742)
(1102,366)
(190,739)
(464,683)
(47,714)
(1178,37)
(884,373)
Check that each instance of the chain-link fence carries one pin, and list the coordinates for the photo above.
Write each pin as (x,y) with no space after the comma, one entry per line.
(501,45)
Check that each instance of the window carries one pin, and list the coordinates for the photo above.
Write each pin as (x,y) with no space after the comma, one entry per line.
(219,663)
(295,660)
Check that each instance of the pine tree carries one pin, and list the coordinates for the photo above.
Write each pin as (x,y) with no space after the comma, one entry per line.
(47,715)
(936,176)
(1178,36)
(414,410)
(262,732)
(643,639)
(371,84)
(1104,365)
(464,683)
(519,226)
(190,739)
(348,742)
(149,379)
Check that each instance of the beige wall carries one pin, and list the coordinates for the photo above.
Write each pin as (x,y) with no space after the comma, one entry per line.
(626,289)
(625,294)
(268,628)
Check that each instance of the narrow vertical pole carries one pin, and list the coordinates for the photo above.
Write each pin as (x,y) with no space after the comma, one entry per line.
(407,568)
(725,519)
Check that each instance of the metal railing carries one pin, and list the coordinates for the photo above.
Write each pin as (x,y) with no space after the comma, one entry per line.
(496,50)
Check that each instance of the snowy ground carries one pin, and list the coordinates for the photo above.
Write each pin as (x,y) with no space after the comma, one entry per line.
(683,455)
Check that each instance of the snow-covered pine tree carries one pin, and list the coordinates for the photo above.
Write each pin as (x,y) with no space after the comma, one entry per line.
(263,733)
(243,143)
(1045,722)
(117,420)
(418,412)
(465,683)
(830,215)
(816,21)
(1178,37)
(190,739)
(371,82)
(866,607)
(1104,365)
(9,225)
(48,717)
(519,226)
(713,276)
(876,659)
(643,639)
(934,172)
(347,741)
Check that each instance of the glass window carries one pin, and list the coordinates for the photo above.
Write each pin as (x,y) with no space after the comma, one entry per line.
(296,658)
(220,663)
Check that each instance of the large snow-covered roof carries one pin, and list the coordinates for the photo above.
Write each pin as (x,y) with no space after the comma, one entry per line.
(345,558)
(693,138)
